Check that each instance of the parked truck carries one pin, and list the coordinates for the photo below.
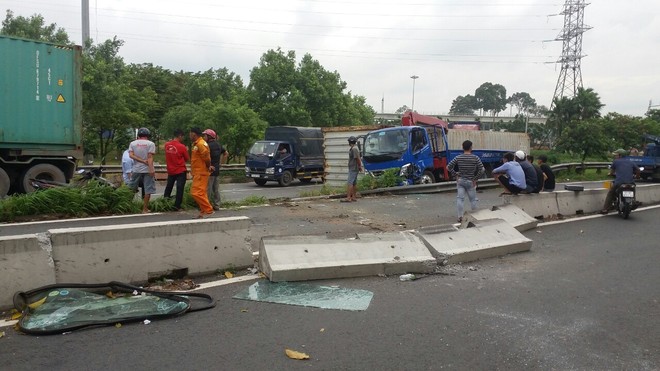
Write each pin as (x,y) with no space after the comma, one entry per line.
(285,154)
(40,113)
(650,161)
(423,146)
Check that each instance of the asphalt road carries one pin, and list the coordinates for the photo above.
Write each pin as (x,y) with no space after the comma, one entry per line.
(586,297)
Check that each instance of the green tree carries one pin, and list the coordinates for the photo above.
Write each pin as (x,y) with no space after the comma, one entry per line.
(110,104)
(305,95)
(522,101)
(585,105)
(491,98)
(33,28)
(463,105)
(585,138)
(402,109)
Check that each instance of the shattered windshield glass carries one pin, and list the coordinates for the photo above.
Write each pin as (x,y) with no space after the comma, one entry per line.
(385,145)
(306,295)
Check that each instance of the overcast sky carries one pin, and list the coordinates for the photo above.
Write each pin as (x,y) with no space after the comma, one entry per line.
(377,45)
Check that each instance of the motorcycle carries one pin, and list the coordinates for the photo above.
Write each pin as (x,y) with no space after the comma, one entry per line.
(624,199)
(84,176)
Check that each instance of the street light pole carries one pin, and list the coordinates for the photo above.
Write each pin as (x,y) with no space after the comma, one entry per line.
(413,77)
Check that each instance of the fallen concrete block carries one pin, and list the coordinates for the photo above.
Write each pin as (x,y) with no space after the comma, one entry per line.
(486,239)
(25,263)
(137,252)
(301,258)
(510,213)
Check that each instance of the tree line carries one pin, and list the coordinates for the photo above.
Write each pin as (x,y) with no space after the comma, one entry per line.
(119,97)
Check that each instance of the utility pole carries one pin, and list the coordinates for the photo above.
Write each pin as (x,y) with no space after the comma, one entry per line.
(85,23)
(413,77)
(570,76)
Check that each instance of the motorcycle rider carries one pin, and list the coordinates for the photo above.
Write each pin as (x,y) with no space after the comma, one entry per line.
(624,172)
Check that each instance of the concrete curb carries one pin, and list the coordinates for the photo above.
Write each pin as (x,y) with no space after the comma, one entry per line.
(130,253)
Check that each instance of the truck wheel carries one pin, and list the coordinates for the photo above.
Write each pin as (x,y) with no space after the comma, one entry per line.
(427,178)
(286,178)
(41,171)
(4,183)
(260,182)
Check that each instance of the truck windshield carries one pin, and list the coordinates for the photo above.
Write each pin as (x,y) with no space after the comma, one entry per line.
(385,145)
(263,148)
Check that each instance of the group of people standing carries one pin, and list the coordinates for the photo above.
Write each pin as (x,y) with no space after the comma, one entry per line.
(518,174)
(205,158)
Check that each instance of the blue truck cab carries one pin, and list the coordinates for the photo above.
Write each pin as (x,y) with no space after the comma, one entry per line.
(286,153)
(650,161)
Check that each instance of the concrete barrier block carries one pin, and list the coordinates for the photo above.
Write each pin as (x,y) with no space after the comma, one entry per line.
(510,213)
(536,205)
(136,252)
(302,258)
(647,193)
(487,239)
(25,264)
(583,202)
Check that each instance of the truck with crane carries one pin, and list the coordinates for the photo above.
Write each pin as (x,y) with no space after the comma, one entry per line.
(423,145)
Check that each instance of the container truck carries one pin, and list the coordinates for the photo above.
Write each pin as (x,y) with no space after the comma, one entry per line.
(423,146)
(286,153)
(40,113)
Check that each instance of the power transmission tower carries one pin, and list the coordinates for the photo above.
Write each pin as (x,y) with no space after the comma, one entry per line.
(570,76)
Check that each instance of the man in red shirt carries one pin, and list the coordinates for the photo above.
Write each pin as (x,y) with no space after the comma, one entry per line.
(176,156)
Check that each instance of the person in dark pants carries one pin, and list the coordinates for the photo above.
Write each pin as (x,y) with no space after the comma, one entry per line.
(548,175)
(176,156)
(218,154)
(624,172)
(531,180)
(539,174)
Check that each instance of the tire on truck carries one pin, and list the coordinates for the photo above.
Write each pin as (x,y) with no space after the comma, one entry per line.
(41,171)
(5,183)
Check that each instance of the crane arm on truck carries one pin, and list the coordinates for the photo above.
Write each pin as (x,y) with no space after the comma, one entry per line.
(410,118)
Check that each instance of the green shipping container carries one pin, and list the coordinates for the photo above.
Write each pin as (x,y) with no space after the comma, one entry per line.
(40,96)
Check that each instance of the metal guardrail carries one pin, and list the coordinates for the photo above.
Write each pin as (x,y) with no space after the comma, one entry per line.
(575,165)
(160,169)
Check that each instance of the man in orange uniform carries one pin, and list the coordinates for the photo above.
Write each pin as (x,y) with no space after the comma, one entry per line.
(200,168)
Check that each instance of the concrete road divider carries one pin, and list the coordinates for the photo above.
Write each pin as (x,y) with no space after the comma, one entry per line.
(301,258)
(512,214)
(536,205)
(485,239)
(25,263)
(137,252)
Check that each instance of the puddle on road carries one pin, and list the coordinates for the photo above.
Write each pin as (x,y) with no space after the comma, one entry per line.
(306,295)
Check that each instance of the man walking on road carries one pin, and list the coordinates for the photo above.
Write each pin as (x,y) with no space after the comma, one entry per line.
(467,168)
(217,154)
(142,152)
(176,157)
(354,167)
(201,168)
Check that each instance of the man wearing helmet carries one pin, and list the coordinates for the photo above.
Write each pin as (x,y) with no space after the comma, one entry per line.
(217,154)
(354,167)
(142,152)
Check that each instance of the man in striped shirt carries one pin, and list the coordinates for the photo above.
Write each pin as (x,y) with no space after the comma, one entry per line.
(466,168)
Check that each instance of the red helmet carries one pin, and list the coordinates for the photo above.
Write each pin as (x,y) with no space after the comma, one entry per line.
(210,133)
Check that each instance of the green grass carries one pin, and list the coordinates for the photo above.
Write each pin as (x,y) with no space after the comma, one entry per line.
(325,190)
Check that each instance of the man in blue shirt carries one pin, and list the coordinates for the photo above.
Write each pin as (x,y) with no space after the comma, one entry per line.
(510,175)
(624,172)
(531,180)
